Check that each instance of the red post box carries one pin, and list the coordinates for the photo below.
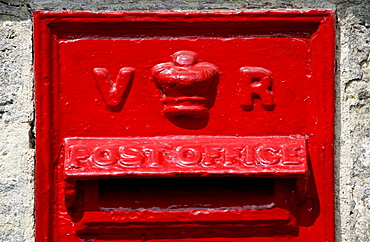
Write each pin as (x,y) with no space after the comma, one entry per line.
(180,126)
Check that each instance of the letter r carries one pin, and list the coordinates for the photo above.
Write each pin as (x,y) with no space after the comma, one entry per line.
(256,82)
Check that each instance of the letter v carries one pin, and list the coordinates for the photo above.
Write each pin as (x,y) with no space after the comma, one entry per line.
(113,92)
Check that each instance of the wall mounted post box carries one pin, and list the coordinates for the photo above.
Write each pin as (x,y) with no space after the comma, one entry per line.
(180,126)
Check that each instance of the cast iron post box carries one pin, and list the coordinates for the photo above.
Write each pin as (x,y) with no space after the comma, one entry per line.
(184,126)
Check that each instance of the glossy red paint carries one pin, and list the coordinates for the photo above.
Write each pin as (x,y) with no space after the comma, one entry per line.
(232,140)
(186,85)
(113,91)
(190,155)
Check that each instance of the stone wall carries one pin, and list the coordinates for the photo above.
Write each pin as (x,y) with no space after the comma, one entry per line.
(352,146)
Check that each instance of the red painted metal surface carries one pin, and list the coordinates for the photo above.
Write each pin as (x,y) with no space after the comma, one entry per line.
(191,155)
(186,85)
(168,126)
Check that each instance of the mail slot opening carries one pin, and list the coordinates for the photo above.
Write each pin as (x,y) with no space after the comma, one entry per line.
(186,207)
(173,194)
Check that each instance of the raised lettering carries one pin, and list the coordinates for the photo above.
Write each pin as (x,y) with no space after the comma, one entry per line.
(269,155)
(235,156)
(256,82)
(166,155)
(114,92)
(105,156)
(216,155)
(250,156)
(189,156)
(186,154)
(293,155)
(131,156)
(80,156)
(151,158)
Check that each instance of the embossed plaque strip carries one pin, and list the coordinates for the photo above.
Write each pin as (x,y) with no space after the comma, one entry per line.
(186,155)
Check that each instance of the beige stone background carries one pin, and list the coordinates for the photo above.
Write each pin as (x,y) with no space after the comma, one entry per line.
(352,148)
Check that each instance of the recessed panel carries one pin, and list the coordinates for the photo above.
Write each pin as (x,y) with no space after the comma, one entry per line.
(181,126)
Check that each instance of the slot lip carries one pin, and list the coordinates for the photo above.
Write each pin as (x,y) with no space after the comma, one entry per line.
(109,223)
(184,216)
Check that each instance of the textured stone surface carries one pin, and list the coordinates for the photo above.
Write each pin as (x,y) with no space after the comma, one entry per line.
(353,129)
(353,103)
(117,5)
(16,145)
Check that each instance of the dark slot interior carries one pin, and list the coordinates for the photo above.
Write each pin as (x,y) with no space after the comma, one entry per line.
(262,204)
(186,193)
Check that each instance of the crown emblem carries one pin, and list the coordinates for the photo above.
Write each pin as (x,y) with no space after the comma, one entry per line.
(186,85)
